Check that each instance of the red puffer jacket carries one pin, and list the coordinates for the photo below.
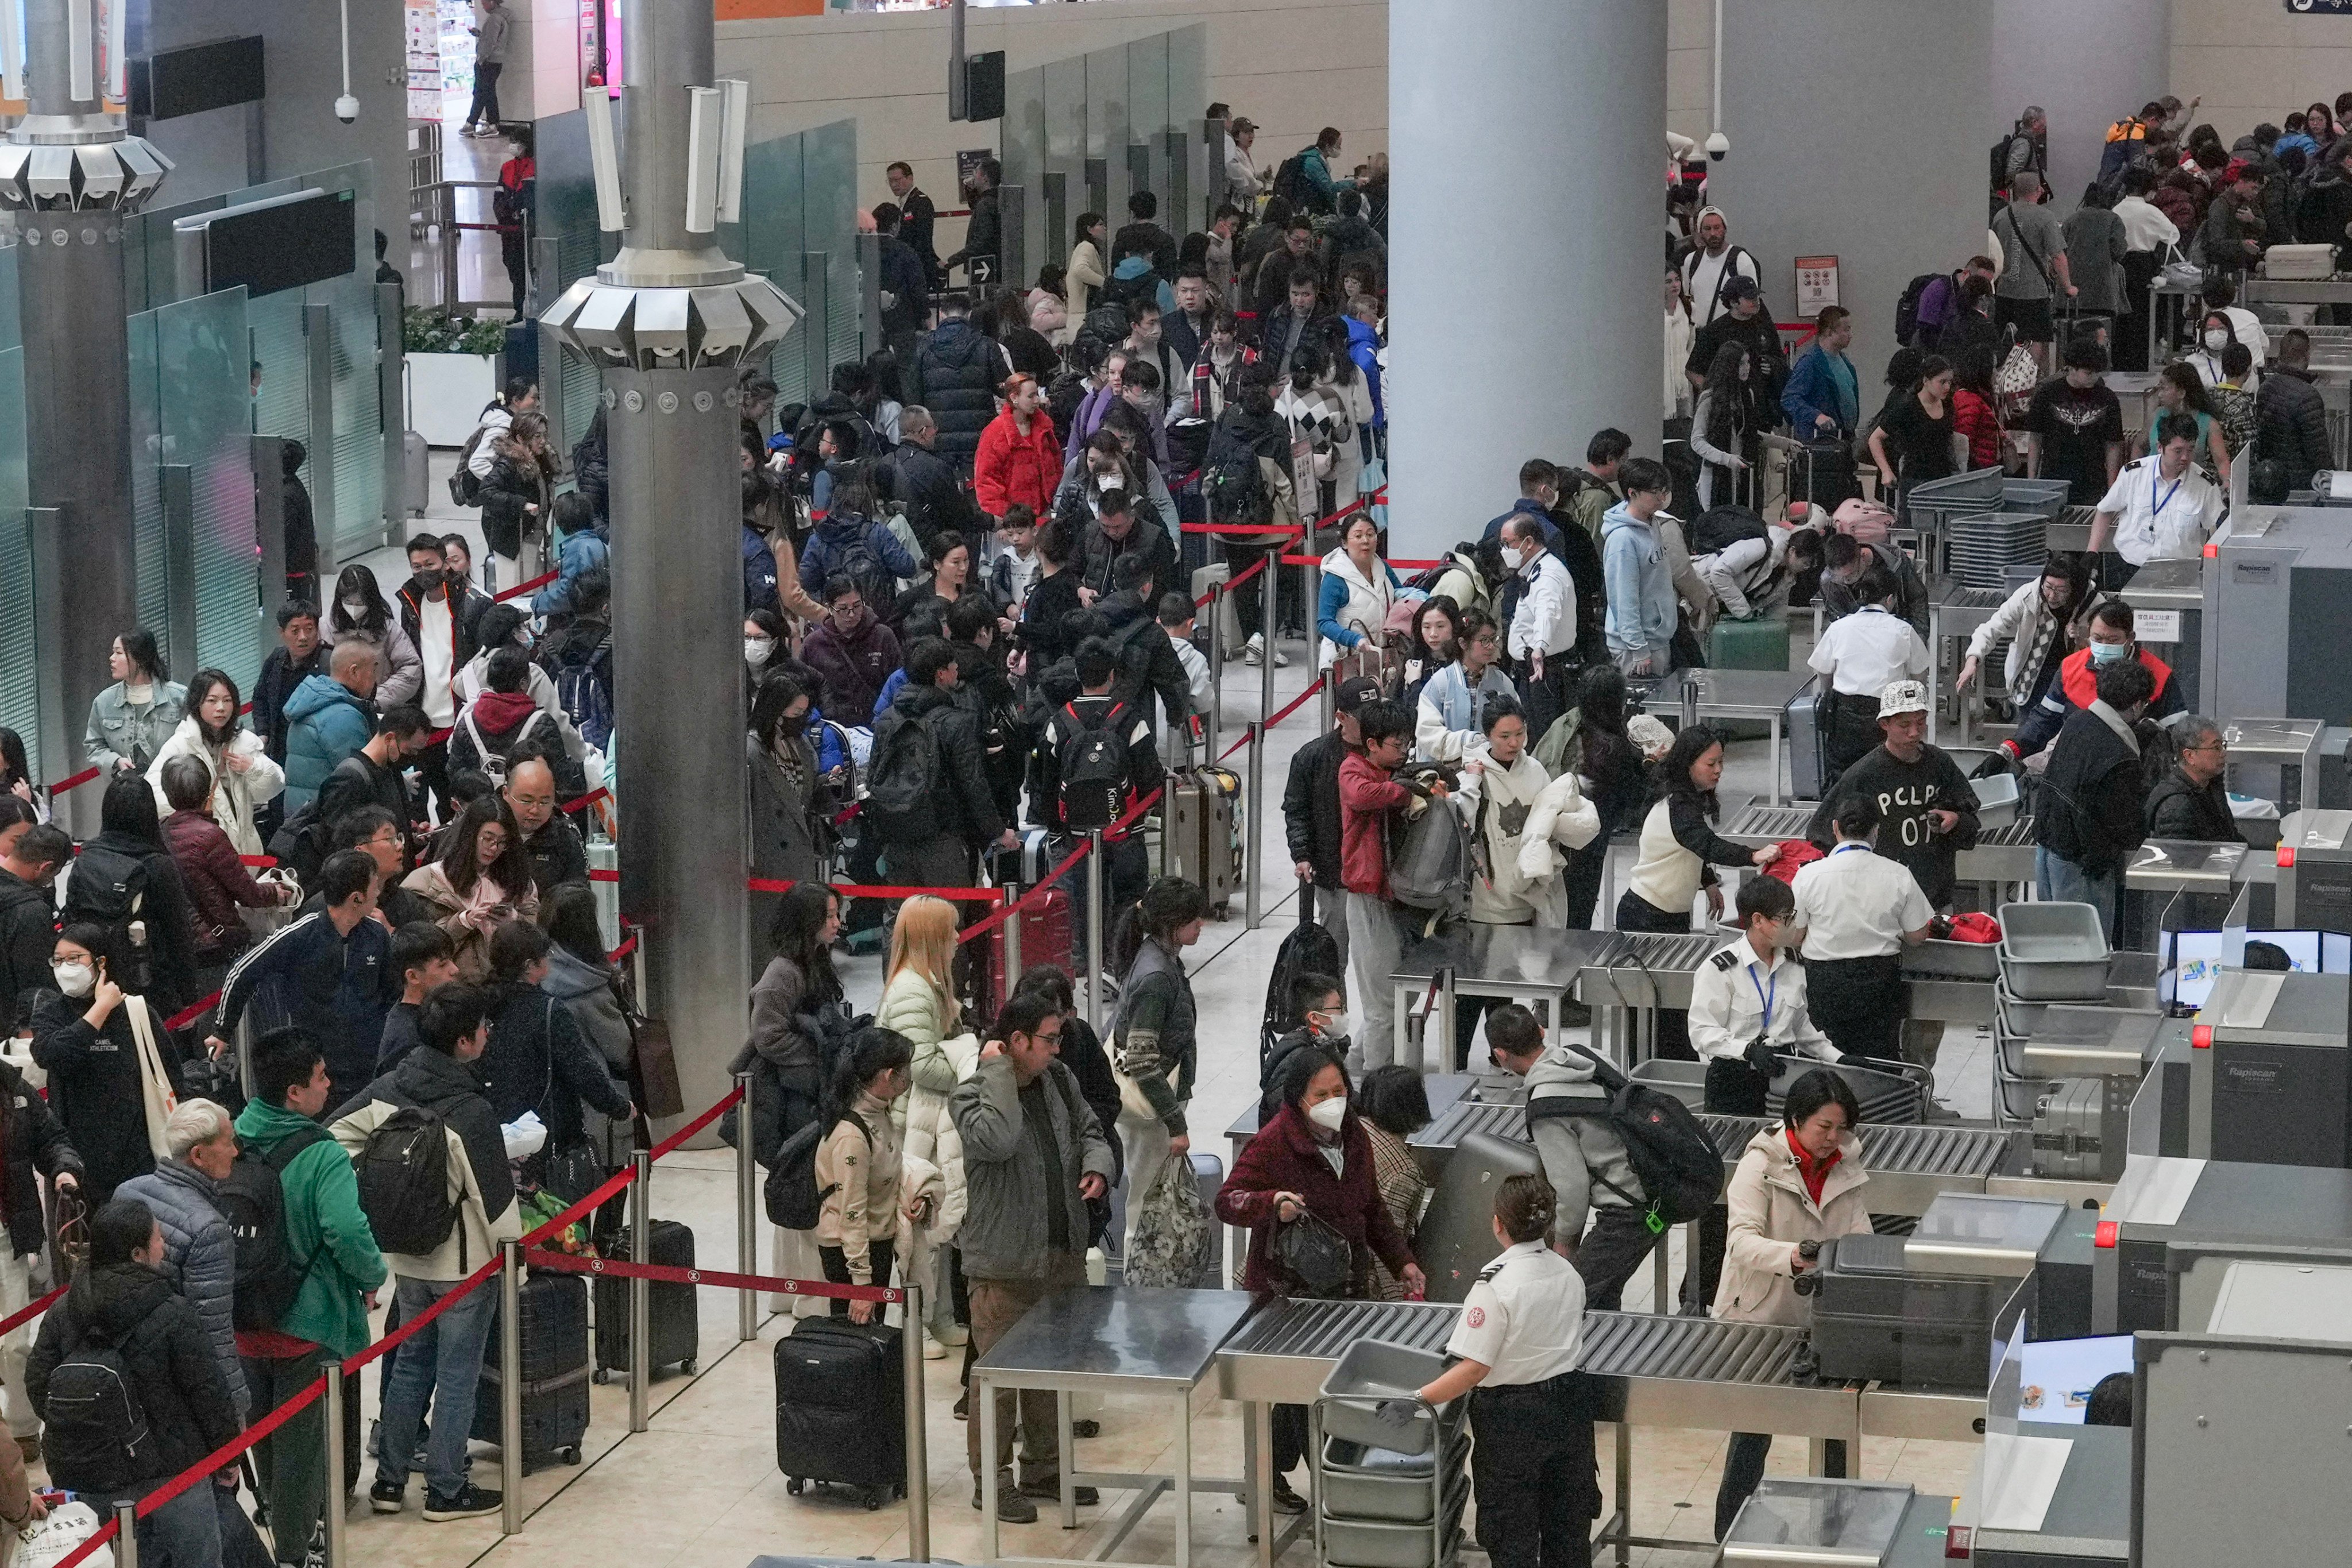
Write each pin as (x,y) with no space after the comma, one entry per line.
(1010,468)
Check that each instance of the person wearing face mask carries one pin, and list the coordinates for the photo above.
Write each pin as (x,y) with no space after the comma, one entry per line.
(1314,1159)
(2111,644)
(359,615)
(1517,1344)
(432,615)
(31,1139)
(785,785)
(83,1039)
(1319,1009)
(1542,641)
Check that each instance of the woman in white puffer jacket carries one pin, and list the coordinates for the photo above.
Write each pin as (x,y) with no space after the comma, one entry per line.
(918,1002)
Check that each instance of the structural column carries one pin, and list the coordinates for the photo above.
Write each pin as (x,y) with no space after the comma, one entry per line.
(69,176)
(668,321)
(1529,145)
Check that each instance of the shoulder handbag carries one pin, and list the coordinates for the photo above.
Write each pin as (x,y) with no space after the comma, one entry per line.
(156,1096)
(2018,233)
(574,1170)
(1315,1256)
(653,1063)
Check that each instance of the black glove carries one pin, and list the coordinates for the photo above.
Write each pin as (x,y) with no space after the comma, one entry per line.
(1760,1058)
(1396,1414)
(1999,763)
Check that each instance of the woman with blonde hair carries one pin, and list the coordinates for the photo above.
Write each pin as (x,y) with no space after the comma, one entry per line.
(919,1001)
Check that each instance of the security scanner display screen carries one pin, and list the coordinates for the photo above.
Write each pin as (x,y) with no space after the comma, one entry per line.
(2191,960)
(2056,1376)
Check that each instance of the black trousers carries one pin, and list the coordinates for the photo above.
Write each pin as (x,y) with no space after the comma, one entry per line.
(1733,1089)
(1533,1472)
(1743,1469)
(1636,913)
(1552,695)
(1583,874)
(836,1263)
(1610,1253)
(1858,1003)
(484,107)
(1851,735)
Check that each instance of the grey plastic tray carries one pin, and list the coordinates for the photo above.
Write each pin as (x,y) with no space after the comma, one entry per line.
(1374,1370)
(1382,1484)
(1687,1081)
(1997,800)
(1953,959)
(1348,1543)
(2053,953)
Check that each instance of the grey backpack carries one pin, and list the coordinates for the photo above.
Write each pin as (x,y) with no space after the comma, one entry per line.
(1431,861)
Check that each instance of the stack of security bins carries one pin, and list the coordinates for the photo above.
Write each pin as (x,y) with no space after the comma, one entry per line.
(2050,953)
(1921,1310)
(1392,1471)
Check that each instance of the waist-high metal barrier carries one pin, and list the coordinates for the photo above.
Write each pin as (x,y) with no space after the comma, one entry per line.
(507,1269)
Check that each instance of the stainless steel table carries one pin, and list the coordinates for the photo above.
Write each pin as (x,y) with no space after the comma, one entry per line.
(1518,964)
(1108,1340)
(1953,615)
(1750,694)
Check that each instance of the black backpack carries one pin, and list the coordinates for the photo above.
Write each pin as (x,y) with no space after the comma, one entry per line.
(1093,768)
(403,1176)
(465,484)
(1104,327)
(861,565)
(1291,183)
(1678,1166)
(584,685)
(96,1436)
(904,783)
(2000,161)
(1724,527)
(794,1200)
(1906,309)
(303,842)
(109,888)
(252,1198)
(1230,481)
(1309,949)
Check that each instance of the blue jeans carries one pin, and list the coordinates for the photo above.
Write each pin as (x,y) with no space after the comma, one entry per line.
(2064,881)
(183,1533)
(444,1362)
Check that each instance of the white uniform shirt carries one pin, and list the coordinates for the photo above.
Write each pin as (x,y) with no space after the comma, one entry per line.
(1524,1316)
(2158,519)
(1703,279)
(1736,996)
(1864,652)
(1854,902)
(1545,621)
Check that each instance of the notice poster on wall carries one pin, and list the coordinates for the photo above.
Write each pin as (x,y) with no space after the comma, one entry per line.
(421,45)
(1817,285)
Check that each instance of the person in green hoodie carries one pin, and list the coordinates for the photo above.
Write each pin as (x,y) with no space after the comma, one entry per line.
(325,1230)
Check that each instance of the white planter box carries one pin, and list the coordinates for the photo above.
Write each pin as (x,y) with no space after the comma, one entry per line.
(446,394)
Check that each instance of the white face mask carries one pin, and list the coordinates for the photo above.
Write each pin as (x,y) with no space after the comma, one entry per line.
(2217,341)
(1328,1113)
(756,650)
(74,979)
(1513,556)
(356,608)
(1335,1024)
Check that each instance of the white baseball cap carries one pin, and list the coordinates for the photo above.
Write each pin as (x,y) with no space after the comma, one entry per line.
(1902,697)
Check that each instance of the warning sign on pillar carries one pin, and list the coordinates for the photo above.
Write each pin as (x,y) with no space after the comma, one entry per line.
(1817,284)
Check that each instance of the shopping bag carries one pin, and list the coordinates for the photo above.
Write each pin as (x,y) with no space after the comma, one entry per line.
(1175,1239)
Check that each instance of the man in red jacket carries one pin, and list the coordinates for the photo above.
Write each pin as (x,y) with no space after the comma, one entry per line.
(1369,797)
(1019,461)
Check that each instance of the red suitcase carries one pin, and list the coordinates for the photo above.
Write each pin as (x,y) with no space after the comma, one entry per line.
(1048,935)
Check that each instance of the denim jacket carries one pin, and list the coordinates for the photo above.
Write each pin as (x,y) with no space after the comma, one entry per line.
(119,731)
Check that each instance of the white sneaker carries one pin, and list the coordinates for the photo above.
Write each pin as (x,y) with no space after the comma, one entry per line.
(1281,659)
(1253,651)
(933,1350)
(954,1334)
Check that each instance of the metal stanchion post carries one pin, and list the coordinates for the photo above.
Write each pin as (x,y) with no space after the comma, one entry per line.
(641,1298)
(747,1215)
(1254,846)
(126,1534)
(1268,593)
(918,1453)
(331,1454)
(1216,670)
(1011,933)
(510,1394)
(1095,924)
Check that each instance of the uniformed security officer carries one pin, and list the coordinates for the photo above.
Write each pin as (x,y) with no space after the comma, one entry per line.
(1855,911)
(1747,1005)
(1520,1336)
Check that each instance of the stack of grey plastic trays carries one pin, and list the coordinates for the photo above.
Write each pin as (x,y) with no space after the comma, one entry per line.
(2049,953)
(1392,1471)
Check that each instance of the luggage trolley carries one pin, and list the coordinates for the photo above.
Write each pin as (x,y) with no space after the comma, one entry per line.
(1388,1492)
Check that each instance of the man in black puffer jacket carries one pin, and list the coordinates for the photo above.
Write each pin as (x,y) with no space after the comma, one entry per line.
(955,375)
(122,1308)
(2290,423)
(2089,814)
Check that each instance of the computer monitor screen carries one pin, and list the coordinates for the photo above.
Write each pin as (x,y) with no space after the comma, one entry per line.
(2192,959)
(2056,1376)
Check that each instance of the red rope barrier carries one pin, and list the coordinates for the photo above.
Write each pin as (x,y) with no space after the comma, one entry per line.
(75,782)
(619,1268)
(27,1314)
(222,1457)
(1297,702)
(671,1142)
(585,801)
(520,589)
(880,890)
(188,1016)
(105,1533)
(415,1325)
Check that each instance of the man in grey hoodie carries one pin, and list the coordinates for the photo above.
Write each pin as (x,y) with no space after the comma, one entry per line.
(1583,1158)
(1643,612)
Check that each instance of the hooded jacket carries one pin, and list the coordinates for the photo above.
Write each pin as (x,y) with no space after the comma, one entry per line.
(497,722)
(1012,469)
(199,1258)
(538,1060)
(326,722)
(180,1388)
(828,550)
(1525,819)
(2091,807)
(236,796)
(2077,682)
(853,665)
(29,937)
(1643,612)
(481,1181)
(955,375)
(1583,1158)
(218,883)
(93,1081)
(1310,806)
(324,1224)
(2290,423)
(1770,1212)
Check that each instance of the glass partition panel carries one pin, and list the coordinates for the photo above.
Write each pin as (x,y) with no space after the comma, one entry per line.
(1188,101)
(1146,116)
(829,184)
(280,398)
(1106,129)
(1065,147)
(150,556)
(1025,163)
(19,689)
(357,439)
(198,346)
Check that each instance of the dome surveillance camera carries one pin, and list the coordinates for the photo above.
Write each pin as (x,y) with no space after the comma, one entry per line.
(1718,145)
(347,110)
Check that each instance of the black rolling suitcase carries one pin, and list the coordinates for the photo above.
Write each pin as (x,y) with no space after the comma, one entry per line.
(1823,473)
(555,1371)
(676,1326)
(840,1394)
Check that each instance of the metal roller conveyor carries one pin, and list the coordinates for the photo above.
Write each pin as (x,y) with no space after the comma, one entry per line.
(1284,1352)
(1910,1167)
(1644,969)
(2001,853)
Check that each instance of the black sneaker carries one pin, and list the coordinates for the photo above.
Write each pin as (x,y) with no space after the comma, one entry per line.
(1050,1490)
(1285,1499)
(1012,1507)
(469,1501)
(386,1497)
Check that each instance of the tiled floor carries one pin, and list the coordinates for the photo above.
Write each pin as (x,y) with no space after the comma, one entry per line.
(701,1486)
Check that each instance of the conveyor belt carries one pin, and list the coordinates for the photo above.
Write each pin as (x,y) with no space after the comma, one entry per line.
(1960,597)
(1909,1167)
(1711,1350)
(1283,1353)
(1643,969)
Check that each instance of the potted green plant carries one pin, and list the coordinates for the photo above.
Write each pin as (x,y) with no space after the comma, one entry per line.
(452,372)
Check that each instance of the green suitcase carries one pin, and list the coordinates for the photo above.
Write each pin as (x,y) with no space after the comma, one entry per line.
(1760,644)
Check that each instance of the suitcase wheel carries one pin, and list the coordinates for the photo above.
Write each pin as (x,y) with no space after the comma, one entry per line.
(686,1366)
(569,1455)
(600,1377)
(794,1485)
(875,1496)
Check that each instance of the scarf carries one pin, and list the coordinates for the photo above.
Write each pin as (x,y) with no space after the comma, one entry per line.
(2037,660)
(1814,1173)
